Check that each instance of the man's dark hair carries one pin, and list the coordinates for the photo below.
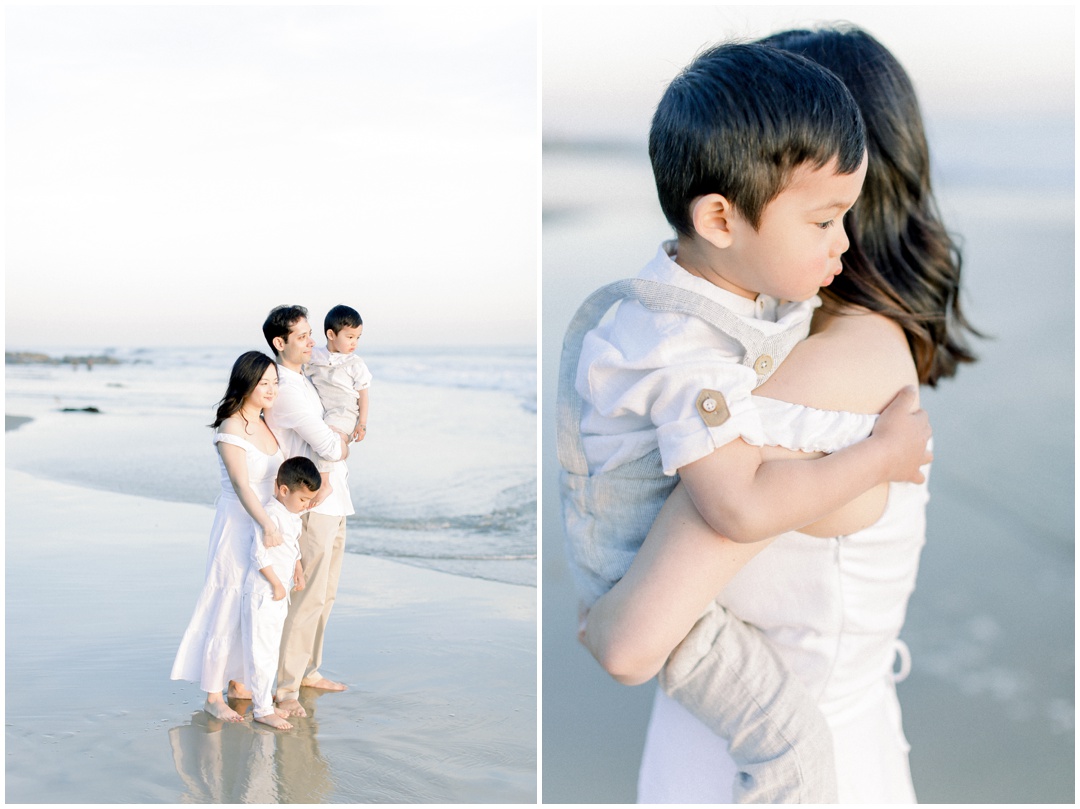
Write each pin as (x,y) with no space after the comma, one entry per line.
(280,322)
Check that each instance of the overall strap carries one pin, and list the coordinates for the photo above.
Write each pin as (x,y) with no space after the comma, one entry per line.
(760,352)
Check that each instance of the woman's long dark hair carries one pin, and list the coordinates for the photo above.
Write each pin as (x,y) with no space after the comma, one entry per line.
(901,263)
(247,371)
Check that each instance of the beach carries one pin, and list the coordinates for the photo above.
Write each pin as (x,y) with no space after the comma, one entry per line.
(441,673)
(991,622)
(106,529)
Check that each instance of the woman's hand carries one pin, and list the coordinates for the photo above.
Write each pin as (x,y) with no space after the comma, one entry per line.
(272,537)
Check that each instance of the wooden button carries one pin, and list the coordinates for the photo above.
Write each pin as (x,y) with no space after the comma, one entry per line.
(712,408)
(763,364)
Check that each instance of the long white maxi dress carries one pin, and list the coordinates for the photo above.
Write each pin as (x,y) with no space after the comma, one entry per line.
(211,653)
(833,609)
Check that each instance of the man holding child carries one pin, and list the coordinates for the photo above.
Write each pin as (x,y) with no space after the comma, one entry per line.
(297,421)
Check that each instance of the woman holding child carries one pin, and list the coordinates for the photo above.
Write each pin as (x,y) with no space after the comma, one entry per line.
(211,652)
(829,599)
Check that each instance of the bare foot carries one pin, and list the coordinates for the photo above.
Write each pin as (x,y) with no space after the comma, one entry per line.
(222,711)
(291,707)
(324,685)
(238,690)
(274,721)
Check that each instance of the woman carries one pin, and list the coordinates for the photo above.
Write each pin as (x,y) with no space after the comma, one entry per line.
(249,456)
(831,598)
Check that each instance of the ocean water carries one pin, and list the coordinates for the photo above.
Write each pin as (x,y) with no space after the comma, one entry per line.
(445,479)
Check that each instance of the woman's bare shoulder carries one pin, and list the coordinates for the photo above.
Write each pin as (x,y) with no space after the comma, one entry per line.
(856,361)
(234,425)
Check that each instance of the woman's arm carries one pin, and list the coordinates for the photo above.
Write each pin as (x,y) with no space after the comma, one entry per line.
(235,460)
(683,563)
(679,569)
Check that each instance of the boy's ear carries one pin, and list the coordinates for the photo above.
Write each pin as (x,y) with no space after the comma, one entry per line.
(713,219)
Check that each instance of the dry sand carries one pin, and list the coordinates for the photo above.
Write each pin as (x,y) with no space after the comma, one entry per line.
(441,670)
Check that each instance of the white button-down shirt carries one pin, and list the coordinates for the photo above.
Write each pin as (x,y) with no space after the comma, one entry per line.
(297,422)
(640,374)
(282,558)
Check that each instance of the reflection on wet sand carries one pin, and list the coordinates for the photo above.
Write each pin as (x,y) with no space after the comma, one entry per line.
(245,762)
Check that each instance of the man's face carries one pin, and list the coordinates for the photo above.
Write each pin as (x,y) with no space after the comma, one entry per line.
(297,348)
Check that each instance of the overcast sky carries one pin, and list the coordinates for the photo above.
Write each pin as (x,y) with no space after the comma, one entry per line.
(604,70)
(173,172)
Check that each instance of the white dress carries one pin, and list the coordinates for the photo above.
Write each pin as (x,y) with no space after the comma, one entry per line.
(211,652)
(833,609)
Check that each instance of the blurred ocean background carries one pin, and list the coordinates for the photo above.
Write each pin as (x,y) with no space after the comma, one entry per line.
(988,707)
(446,478)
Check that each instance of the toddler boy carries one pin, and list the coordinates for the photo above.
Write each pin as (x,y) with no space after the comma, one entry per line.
(270,576)
(341,378)
(757,155)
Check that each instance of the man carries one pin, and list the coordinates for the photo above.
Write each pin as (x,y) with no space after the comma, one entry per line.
(296,420)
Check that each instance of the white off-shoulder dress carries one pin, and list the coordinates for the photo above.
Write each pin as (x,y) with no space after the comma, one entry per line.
(833,609)
(211,653)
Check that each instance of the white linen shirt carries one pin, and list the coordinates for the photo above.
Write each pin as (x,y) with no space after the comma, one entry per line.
(296,420)
(640,374)
(282,558)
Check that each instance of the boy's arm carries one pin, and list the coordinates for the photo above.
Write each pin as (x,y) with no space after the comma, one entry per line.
(746,499)
(299,582)
(275,582)
(361,421)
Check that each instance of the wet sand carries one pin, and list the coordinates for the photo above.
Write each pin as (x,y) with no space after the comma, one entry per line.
(441,669)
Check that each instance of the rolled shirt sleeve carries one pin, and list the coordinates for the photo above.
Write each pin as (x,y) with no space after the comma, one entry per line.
(298,409)
(640,378)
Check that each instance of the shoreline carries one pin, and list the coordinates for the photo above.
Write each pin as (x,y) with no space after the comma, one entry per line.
(441,670)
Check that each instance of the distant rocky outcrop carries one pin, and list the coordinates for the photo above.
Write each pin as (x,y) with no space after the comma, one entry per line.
(37,358)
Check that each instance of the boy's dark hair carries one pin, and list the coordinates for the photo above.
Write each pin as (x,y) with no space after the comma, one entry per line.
(739,120)
(280,321)
(299,471)
(341,317)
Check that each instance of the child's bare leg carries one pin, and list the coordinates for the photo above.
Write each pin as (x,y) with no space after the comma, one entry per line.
(217,706)
(238,690)
(274,720)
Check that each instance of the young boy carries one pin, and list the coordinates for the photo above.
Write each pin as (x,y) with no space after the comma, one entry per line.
(757,156)
(270,576)
(341,378)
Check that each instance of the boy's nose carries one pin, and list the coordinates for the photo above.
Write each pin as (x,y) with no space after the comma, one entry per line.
(842,242)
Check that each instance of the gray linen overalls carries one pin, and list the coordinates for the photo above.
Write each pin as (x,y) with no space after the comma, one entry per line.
(724,672)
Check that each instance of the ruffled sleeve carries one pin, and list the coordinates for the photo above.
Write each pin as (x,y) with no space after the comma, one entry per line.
(808,429)
(235,440)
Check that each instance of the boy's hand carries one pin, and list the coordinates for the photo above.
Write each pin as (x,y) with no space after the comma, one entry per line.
(279,591)
(904,429)
(273,537)
(299,583)
(359,433)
